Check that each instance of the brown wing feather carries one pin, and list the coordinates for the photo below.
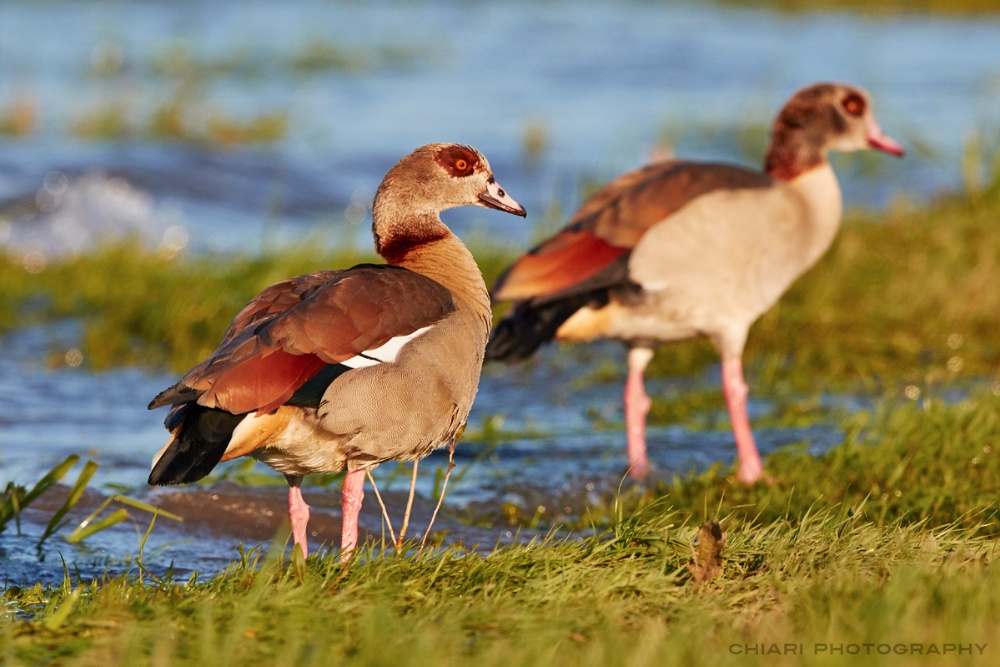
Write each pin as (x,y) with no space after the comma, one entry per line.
(610,224)
(276,299)
(293,329)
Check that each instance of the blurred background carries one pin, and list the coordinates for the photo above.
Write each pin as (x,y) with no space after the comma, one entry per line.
(225,125)
(237,128)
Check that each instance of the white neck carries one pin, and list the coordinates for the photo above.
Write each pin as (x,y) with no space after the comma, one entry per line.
(820,191)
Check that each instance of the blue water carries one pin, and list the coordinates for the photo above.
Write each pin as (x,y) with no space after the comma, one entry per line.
(602,83)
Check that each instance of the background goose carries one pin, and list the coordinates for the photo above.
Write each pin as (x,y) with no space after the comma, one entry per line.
(679,249)
(341,370)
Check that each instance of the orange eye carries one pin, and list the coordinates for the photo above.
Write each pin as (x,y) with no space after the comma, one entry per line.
(854,105)
(461,164)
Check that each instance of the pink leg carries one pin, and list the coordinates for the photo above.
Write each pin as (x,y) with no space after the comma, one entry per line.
(298,512)
(351,498)
(735,390)
(637,405)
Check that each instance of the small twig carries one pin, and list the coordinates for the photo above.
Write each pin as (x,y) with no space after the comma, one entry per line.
(409,505)
(444,487)
(385,512)
(142,568)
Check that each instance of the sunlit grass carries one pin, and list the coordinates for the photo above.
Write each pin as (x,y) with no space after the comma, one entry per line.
(910,461)
(178,61)
(17,497)
(620,597)
(927,460)
(104,122)
(889,538)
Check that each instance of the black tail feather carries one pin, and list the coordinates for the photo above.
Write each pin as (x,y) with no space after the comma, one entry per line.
(310,394)
(527,326)
(198,445)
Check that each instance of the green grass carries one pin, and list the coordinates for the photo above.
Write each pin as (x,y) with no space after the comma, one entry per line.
(180,61)
(816,567)
(623,599)
(904,461)
(138,306)
(890,538)
(911,461)
(173,107)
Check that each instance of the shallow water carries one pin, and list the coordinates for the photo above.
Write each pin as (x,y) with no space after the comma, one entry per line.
(600,82)
(565,464)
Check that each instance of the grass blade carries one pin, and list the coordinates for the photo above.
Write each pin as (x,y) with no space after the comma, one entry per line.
(52,478)
(16,498)
(146,507)
(59,616)
(57,520)
(86,529)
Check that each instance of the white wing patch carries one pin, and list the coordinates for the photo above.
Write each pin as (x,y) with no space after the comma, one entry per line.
(384,353)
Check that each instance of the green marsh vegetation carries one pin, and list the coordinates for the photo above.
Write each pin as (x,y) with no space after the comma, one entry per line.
(826,579)
(887,539)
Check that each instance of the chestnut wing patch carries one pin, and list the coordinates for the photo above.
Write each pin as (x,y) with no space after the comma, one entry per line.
(568,258)
(275,346)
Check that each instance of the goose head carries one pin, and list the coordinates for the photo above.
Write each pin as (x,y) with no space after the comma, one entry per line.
(437,177)
(820,118)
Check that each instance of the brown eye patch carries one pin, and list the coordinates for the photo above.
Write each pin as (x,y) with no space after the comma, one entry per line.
(854,104)
(457,160)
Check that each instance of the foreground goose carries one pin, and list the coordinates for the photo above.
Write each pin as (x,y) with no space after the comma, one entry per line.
(341,370)
(681,249)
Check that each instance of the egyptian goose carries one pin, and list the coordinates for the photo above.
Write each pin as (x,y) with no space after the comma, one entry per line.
(679,249)
(341,370)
